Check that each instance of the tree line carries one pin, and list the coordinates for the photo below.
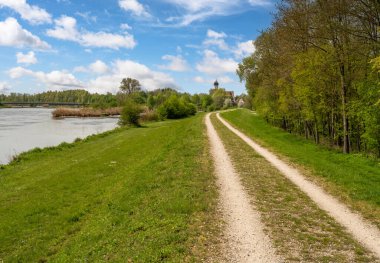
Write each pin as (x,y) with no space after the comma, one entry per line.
(315,72)
(69,96)
(131,88)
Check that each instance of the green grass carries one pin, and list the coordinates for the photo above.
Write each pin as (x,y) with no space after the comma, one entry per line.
(353,178)
(299,230)
(139,195)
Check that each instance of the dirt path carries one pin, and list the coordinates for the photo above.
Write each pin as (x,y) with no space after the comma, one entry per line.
(367,234)
(245,239)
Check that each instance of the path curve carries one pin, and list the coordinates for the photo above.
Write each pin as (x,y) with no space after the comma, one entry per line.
(366,233)
(246,241)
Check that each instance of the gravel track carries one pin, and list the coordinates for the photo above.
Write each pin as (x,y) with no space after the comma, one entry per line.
(245,240)
(366,233)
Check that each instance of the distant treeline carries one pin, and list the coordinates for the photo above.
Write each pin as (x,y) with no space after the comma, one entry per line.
(315,72)
(216,99)
(72,96)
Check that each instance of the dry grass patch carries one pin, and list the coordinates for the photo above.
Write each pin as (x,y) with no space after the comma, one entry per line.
(85,112)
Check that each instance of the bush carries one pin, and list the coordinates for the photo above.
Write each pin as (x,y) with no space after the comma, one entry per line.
(211,108)
(175,108)
(130,115)
(191,109)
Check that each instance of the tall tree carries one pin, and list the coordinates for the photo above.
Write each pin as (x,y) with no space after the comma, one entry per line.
(129,86)
(311,71)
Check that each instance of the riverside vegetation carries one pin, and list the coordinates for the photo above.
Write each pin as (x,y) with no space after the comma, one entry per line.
(158,104)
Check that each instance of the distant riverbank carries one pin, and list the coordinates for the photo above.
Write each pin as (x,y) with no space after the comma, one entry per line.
(86,112)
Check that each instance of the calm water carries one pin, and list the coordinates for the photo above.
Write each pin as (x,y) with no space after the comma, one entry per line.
(24,129)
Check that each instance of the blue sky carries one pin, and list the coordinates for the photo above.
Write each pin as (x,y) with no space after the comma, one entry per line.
(93,44)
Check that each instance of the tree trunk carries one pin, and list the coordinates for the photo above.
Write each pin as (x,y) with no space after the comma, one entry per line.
(346,138)
(316,135)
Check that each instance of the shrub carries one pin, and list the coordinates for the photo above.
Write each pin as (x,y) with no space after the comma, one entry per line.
(211,107)
(191,109)
(175,108)
(130,115)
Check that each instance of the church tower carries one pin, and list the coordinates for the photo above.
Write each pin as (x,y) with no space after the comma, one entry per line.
(216,84)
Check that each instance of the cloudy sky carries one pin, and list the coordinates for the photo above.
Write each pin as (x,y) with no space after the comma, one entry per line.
(93,44)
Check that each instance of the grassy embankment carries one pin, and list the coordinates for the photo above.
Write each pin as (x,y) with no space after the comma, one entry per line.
(140,195)
(353,178)
(300,231)
(85,112)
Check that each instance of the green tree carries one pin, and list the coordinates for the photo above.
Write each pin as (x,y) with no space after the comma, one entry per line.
(129,86)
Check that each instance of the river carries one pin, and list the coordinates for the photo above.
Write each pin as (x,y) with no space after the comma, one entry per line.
(22,129)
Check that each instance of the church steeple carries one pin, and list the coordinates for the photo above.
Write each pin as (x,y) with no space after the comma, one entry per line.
(216,84)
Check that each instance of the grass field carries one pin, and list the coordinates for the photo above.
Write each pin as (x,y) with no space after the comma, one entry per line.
(137,195)
(353,178)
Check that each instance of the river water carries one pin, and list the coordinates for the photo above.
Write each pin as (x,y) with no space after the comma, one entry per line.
(23,129)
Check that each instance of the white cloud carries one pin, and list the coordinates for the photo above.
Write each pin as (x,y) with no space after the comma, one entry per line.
(259,2)
(199,10)
(125,26)
(244,49)
(176,63)
(12,34)
(4,88)
(98,67)
(216,39)
(55,80)
(199,79)
(107,82)
(66,29)
(148,78)
(220,43)
(28,58)
(108,40)
(225,79)
(31,13)
(213,64)
(87,17)
(81,69)
(216,35)
(134,7)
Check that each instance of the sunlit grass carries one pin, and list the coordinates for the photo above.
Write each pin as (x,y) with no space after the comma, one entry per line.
(143,195)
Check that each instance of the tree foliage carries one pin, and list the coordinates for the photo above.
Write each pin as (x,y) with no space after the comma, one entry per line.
(315,72)
(176,108)
(130,114)
(72,96)
(129,86)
